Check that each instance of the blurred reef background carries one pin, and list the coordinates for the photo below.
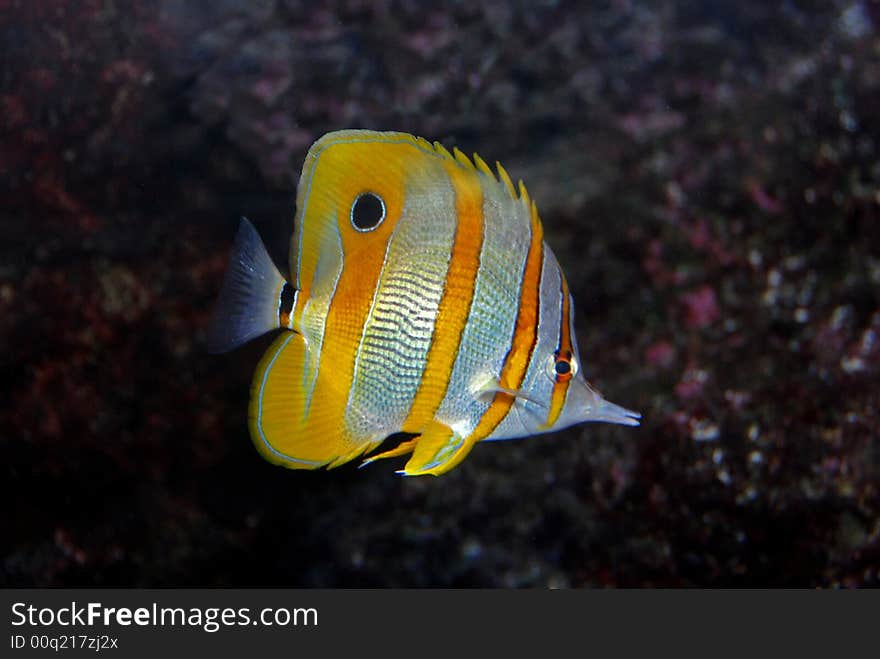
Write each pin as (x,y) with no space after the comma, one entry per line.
(708,176)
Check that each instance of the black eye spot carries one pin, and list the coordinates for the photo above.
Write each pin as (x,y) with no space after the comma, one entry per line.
(367,211)
(562,367)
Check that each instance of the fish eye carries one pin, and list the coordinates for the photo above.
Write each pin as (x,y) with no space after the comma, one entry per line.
(367,211)
(561,366)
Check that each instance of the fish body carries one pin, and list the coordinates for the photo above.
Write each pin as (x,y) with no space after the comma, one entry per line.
(423,300)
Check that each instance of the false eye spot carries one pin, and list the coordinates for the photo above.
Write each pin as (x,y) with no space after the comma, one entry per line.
(367,211)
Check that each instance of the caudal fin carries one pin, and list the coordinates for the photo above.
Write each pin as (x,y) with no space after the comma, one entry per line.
(249,299)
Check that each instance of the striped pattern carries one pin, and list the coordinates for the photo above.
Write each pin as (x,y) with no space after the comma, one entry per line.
(458,294)
(528,416)
(491,324)
(560,389)
(438,324)
(444,317)
(349,265)
(524,337)
(431,323)
(406,312)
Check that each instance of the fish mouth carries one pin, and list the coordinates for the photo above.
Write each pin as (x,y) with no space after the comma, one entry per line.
(604,411)
(608,412)
(591,408)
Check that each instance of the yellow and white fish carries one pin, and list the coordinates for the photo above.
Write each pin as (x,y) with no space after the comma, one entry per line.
(424,300)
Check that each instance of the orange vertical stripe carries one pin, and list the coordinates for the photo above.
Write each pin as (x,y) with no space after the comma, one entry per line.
(525,335)
(458,294)
(557,399)
(346,170)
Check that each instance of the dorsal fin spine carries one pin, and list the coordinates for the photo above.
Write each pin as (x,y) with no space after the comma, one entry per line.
(483,167)
(505,179)
(524,194)
(462,158)
(423,143)
(518,193)
(439,148)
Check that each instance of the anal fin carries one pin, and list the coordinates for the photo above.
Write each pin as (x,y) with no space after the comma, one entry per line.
(437,450)
(403,448)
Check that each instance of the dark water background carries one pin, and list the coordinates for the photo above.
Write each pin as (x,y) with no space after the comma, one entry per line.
(708,176)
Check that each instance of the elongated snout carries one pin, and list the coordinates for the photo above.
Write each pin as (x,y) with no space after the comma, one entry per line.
(584,403)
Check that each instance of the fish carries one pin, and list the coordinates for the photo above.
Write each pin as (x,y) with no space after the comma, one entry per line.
(423,301)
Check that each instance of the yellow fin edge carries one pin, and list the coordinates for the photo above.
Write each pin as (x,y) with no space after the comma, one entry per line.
(517,192)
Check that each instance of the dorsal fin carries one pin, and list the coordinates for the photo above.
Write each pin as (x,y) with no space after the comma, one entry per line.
(439,148)
(483,167)
(505,179)
(523,193)
(423,143)
(517,193)
(462,158)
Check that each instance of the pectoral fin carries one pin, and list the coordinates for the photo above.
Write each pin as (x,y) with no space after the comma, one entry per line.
(493,387)
(437,450)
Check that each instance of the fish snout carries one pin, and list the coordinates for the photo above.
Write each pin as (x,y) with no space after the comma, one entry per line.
(587,404)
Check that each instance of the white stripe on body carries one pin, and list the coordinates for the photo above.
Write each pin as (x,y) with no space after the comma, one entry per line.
(488,334)
(315,313)
(526,416)
(396,338)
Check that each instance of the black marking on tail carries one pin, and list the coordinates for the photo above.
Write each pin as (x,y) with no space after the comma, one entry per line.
(285,304)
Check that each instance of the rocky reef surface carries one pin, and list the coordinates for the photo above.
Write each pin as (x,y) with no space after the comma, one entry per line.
(708,176)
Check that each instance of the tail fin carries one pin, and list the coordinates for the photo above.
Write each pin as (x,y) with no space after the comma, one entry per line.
(249,299)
